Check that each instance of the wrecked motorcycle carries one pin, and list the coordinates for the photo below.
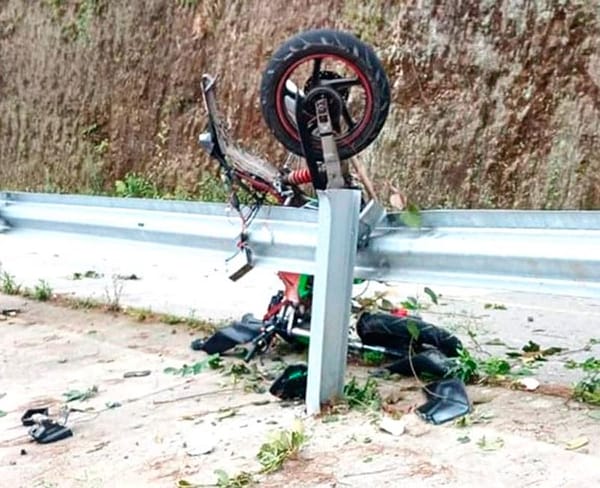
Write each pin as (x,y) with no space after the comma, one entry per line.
(325,97)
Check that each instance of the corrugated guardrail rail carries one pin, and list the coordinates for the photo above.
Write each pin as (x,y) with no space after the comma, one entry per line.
(538,251)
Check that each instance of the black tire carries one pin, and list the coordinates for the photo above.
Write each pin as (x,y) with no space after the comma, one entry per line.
(346,48)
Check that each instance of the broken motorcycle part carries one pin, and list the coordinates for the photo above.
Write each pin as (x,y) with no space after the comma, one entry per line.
(27,419)
(430,362)
(45,429)
(226,338)
(49,431)
(402,333)
(446,400)
(291,384)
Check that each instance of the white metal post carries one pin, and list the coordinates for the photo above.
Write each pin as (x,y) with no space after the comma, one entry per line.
(332,294)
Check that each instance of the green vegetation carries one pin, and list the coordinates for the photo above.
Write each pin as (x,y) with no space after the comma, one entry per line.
(42,291)
(8,284)
(136,185)
(282,446)
(188,3)
(587,390)
(74,23)
(365,397)
(373,358)
(211,362)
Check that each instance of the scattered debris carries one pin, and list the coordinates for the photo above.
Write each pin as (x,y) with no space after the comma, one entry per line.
(74,395)
(476,418)
(88,274)
(199,446)
(112,405)
(238,332)
(446,400)
(577,443)
(45,429)
(211,362)
(282,445)
(9,312)
(97,447)
(392,426)
(137,374)
(494,306)
(226,413)
(532,352)
(128,277)
(530,384)
(490,444)
(291,384)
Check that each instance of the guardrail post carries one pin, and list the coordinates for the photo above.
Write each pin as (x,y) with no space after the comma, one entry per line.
(332,294)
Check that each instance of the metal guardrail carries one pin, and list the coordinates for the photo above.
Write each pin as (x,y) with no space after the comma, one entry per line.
(537,251)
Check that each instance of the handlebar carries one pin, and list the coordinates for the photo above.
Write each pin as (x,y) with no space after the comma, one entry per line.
(261,343)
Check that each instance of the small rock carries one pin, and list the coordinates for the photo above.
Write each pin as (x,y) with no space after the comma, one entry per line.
(23,452)
(530,384)
(391,426)
(198,447)
(530,319)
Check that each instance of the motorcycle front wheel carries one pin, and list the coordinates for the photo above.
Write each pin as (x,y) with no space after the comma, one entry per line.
(331,64)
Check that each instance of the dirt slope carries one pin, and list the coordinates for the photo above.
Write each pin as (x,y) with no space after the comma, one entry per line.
(496,103)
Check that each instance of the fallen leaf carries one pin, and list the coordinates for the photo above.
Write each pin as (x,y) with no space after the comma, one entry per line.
(490,444)
(577,443)
(432,295)
(411,217)
(226,414)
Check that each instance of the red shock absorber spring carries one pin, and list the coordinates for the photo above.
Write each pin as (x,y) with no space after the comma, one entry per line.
(299,177)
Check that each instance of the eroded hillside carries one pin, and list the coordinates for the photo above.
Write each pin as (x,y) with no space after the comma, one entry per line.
(495,103)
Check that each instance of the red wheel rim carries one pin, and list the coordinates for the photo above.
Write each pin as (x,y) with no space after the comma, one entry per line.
(350,137)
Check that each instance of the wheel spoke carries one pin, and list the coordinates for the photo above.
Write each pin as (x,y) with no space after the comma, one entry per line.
(347,117)
(316,70)
(291,90)
(341,83)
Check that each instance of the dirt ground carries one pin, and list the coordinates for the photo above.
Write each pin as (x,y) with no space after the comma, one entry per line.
(170,428)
